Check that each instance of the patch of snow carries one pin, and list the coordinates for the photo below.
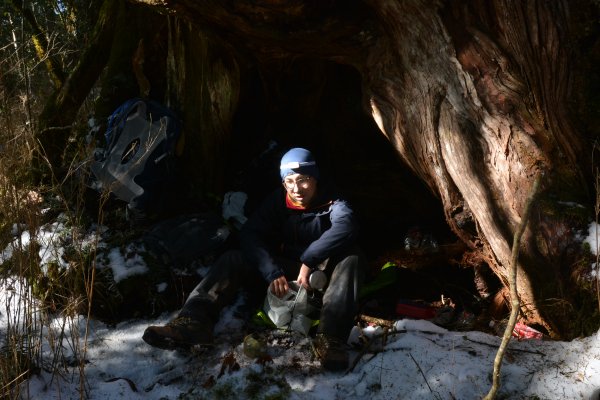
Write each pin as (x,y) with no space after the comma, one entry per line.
(161,287)
(123,265)
(422,363)
(418,360)
(592,237)
(571,204)
(51,246)
(418,325)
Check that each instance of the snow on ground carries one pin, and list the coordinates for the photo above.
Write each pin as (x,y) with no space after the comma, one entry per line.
(420,361)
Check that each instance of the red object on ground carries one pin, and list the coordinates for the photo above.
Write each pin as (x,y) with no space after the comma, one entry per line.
(522,331)
(415,310)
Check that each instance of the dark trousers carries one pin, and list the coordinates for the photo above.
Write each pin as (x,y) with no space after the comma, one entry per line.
(230,273)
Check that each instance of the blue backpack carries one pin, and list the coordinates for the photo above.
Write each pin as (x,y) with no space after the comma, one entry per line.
(139,164)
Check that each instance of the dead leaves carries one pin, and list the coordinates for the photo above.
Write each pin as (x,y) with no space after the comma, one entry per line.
(229,364)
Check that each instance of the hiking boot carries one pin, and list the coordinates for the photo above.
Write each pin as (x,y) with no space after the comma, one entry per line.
(332,353)
(182,332)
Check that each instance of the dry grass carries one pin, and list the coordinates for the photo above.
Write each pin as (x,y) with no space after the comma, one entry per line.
(43,301)
(44,289)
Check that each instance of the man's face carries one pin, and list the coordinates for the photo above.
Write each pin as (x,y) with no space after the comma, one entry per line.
(300,188)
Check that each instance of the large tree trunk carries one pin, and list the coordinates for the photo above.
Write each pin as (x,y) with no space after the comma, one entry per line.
(473,96)
(474,99)
(204,84)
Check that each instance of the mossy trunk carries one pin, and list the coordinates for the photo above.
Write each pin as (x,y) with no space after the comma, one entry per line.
(56,119)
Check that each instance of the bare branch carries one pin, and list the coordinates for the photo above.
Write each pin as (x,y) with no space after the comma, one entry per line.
(41,45)
(514,294)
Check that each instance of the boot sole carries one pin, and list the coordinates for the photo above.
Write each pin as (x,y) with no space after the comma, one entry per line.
(167,343)
(163,342)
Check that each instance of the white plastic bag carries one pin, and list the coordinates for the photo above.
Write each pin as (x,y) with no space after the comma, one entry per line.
(290,310)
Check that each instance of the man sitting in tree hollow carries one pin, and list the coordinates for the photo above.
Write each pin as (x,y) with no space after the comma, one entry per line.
(299,227)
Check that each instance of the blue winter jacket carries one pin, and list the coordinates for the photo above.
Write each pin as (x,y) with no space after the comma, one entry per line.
(309,236)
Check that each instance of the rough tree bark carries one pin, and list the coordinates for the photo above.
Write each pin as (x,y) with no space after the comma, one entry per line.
(204,84)
(472,95)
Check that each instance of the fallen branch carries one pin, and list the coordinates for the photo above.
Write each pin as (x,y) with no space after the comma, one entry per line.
(514,294)
(129,382)
(539,353)
(377,321)
(422,373)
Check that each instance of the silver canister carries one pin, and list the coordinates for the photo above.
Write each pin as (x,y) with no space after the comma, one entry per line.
(317,280)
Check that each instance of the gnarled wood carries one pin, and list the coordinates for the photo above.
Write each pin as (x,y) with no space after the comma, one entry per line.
(473,116)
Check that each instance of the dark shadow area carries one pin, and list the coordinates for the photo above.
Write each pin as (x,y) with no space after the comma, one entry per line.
(319,105)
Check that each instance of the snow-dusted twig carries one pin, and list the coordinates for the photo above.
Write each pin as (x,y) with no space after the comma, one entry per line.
(514,294)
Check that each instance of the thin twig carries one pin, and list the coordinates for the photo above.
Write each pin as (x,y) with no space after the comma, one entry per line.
(366,347)
(514,294)
(596,250)
(56,128)
(422,373)
(539,353)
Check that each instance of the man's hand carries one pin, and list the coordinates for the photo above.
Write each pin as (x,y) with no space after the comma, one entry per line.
(303,277)
(279,286)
